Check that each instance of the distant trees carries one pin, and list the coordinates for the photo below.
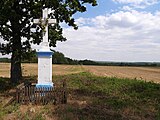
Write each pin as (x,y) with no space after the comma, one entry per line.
(71,61)
(5,60)
(87,62)
(59,58)
(29,56)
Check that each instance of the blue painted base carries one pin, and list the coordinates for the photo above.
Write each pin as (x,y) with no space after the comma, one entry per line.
(44,85)
(44,54)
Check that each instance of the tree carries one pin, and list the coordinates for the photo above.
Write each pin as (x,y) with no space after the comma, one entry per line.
(59,58)
(29,56)
(16,21)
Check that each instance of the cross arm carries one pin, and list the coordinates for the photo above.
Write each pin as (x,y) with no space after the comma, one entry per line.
(51,21)
(36,21)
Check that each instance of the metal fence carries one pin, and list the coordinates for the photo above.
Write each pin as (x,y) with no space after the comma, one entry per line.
(29,93)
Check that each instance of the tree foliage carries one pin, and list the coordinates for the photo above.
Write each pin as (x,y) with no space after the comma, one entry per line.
(16,21)
(29,56)
(17,15)
(59,58)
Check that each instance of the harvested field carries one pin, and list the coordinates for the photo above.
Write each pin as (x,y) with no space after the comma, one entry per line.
(31,69)
(4,70)
(145,73)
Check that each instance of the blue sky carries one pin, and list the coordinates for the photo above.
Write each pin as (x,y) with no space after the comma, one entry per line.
(115,30)
(102,7)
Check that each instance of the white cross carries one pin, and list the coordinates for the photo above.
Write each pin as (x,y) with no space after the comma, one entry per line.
(45,21)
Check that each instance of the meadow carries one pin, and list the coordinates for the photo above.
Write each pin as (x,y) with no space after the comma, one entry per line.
(94,93)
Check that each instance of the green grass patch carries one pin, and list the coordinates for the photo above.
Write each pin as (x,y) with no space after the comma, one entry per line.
(126,98)
(8,110)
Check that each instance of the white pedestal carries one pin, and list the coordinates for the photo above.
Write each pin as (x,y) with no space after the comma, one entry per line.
(44,69)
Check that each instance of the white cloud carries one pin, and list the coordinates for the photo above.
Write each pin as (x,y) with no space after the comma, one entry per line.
(137,3)
(81,21)
(127,8)
(121,36)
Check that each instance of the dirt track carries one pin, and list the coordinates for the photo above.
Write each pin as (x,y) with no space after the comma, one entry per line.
(145,73)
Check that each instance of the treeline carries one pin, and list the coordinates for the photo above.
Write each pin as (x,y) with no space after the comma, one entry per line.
(59,58)
(151,64)
(6,60)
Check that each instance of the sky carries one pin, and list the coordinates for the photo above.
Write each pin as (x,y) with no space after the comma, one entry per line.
(115,30)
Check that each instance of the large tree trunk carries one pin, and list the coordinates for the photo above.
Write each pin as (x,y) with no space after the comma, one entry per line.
(16,71)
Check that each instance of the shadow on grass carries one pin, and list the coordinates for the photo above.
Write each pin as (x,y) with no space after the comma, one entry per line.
(105,107)
(5,83)
(85,106)
(73,112)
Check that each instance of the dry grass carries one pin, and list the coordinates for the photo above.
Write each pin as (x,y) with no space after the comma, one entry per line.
(4,70)
(32,69)
(145,73)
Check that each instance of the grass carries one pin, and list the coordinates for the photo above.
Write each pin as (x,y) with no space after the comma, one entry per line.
(8,110)
(5,84)
(112,98)
(93,97)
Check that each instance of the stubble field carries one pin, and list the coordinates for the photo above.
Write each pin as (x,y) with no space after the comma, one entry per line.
(142,73)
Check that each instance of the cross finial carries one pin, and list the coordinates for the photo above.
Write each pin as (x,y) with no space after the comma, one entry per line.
(44,22)
(45,13)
